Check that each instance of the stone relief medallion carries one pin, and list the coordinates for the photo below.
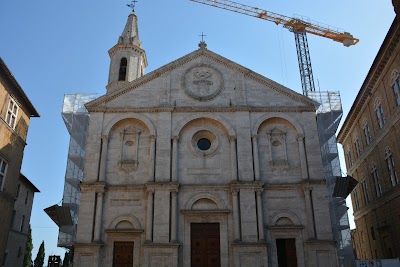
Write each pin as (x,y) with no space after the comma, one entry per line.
(203,82)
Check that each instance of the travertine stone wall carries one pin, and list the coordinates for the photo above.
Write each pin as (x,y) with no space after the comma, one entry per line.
(260,180)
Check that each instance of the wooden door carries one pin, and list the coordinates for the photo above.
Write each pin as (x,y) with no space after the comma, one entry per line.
(205,246)
(123,254)
(286,250)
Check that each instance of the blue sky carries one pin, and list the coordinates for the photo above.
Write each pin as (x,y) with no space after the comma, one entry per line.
(57,47)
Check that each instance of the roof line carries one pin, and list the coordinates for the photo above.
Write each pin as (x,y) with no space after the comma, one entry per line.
(29,183)
(372,78)
(212,55)
(13,81)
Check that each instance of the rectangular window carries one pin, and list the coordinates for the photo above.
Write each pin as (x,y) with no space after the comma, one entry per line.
(355,195)
(3,171)
(392,172)
(367,134)
(375,176)
(365,191)
(380,117)
(396,92)
(373,233)
(26,197)
(349,158)
(12,219)
(21,226)
(12,112)
(357,147)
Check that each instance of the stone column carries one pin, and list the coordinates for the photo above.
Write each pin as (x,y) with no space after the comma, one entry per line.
(303,162)
(173,215)
(269,137)
(152,157)
(175,158)
(260,219)
(103,159)
(149,225)
(309,212)
(256,158)
(232,140)
(98,216)
(235,203)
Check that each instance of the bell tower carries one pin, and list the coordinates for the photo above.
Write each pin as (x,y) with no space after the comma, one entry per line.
(128,59)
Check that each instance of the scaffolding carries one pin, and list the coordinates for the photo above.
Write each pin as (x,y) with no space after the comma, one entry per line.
(329,114)
(76,119)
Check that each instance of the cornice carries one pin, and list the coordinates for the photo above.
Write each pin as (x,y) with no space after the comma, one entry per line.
(97,187)
(205,212)
(186,109)
(236,185)
(261,243)
(286,228)
(133,47)
(318,242)
(214,57)
(93,244)
(304,184)
(165,186)
(386,50)
(124,187)
(148,244)
(6,73)
(385,198)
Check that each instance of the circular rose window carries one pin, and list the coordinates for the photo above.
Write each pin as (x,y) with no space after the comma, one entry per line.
(204,143)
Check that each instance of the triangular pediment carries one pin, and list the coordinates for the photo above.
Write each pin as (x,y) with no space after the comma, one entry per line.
(202,79)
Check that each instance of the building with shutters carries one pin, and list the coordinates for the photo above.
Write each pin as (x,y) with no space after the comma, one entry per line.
(15,113)
(370,139)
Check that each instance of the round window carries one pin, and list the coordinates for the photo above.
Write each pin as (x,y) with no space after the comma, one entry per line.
(204,144)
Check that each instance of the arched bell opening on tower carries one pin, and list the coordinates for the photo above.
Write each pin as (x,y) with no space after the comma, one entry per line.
(122,69)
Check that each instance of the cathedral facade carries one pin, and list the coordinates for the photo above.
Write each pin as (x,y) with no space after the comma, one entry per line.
(201,162)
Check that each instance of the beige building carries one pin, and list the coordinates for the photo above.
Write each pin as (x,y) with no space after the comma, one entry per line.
(371,143)
(201,162)
(15,113)
(19,228)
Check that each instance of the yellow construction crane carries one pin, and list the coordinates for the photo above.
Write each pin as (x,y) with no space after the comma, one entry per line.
(296,25)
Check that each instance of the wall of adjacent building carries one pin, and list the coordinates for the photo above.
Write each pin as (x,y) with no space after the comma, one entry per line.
(12,144)
(377,215)
(19,229)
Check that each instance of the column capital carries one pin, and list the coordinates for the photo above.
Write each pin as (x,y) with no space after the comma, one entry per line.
(234,191)
(308,187)
(150,190)
(259,191)
(175,138)
(255,136)
(152,137)
(232,138)
(104,137)
(300,137)
(174,191)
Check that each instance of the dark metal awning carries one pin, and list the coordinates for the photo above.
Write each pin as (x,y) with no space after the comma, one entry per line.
(61,215)
(344,186)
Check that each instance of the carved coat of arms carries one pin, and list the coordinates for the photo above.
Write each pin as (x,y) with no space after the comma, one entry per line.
(203,82)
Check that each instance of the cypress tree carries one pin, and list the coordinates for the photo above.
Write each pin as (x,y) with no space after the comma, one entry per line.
(67,259)
(28,250)
(39,261)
